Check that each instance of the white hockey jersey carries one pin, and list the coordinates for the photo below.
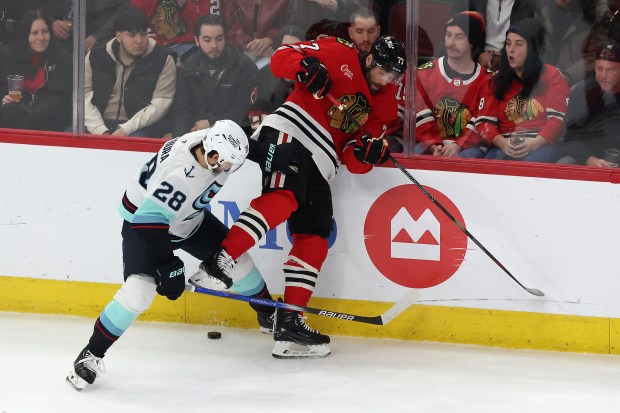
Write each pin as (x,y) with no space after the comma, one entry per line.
(172,189)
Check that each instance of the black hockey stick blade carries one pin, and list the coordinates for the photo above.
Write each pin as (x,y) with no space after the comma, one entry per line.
(406,301)
(352,119)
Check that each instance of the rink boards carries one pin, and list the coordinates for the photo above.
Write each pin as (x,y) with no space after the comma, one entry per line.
(61,246)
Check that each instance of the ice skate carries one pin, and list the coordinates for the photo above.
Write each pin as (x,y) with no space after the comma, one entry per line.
(265,321)
(203,279)
(86,368)
(214,273)
(294,339)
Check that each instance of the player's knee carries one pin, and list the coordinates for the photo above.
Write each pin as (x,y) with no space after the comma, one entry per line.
(137,294)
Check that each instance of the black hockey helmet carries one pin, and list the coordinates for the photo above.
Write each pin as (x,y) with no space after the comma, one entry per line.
(389,53)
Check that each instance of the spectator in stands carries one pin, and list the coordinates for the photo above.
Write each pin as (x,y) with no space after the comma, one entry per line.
(364,29)
(253,26)
(449,93)
(593,115)
(526,94)
(218,82)
(172,21)
(11,11)
(271,88)
(47,72)
(498,16)
(568,24)
(606,29)
(130,83)
(99,22)
(307,13)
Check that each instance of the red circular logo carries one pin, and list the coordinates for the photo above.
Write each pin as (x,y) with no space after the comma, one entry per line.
(411,241)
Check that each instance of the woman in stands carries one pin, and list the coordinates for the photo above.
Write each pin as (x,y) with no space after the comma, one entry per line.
(525,96)
(46,98)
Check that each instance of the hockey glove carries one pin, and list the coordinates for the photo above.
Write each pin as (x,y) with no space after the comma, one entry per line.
(286,157)
(171,282)
(315,77)
(371,150)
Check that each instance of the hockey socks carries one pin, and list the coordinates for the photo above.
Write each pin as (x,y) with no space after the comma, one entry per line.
(265,212)
(302,268)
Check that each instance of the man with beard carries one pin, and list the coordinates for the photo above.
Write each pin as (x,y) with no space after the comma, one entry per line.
(327,138)
(217,82)
(448,92)
(129,83)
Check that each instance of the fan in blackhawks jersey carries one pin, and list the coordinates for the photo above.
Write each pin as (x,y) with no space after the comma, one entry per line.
(525,96)
(164,209)
(449,92)
(357,81)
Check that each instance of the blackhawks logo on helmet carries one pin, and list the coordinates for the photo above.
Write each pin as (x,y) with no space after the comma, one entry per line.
(451,117)
(356,105)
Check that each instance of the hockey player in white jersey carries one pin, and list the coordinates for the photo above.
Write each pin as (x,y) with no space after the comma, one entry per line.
(164,209)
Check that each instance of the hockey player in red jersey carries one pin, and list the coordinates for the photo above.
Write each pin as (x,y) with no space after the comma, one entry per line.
(449,92)
(303,196)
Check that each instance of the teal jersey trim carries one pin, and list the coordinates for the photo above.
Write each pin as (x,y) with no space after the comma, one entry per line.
(152,212)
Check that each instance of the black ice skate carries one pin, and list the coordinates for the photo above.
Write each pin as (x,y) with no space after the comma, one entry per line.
(86,368)
(294,339)
(265,321)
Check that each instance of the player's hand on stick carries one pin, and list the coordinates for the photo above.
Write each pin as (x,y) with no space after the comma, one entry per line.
(171,282)
(372,150)
(315,77)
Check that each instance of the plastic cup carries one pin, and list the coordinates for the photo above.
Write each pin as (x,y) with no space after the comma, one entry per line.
(15,83)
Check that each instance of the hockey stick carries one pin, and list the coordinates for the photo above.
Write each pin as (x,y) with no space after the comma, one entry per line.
(344,111)
(399,306)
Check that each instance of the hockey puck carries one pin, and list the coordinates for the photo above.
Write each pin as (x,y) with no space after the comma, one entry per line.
(214,335)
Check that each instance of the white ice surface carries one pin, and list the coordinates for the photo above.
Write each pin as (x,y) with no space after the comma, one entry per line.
(174,368)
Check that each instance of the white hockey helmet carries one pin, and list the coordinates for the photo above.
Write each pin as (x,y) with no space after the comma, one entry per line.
(229,141)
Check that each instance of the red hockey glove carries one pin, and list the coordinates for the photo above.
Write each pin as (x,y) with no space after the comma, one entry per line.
(372,150)
(315,77)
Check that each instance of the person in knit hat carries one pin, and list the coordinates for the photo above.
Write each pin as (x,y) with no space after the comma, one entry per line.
(448,92)
(525,96)
(593,114)
(472,24)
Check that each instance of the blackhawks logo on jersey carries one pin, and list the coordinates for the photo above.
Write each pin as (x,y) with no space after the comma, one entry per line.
(451,117)
(519,109)
(356,105)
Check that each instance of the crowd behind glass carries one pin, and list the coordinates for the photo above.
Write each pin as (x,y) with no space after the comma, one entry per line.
(517,80)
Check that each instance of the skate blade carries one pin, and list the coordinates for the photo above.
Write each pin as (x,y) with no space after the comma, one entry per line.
(266,330)
(292,350)
(76,381)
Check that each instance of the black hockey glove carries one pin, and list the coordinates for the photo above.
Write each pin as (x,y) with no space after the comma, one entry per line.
(171,282)
(315,77)
(286,157)
(372,150)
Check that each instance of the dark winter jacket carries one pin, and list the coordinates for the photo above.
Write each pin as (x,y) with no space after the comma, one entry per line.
(592,121)
(227,94)
(50,107)
(149,77)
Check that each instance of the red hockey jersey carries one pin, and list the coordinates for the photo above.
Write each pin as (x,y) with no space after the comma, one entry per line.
(540,114)
(446,107)
(317,123)
(172,23)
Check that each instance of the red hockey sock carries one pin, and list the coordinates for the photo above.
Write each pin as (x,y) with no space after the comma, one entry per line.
(265,212)
(302,268)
